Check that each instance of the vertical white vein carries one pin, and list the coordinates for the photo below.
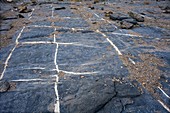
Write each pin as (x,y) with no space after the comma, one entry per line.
(57,104)
(10,54)
(52,15)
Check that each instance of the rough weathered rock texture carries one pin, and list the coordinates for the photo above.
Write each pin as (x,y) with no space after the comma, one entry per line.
(84,57)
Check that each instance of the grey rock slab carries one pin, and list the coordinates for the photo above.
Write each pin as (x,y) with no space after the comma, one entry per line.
(144,103)
(65,13)
(85,39)
(90,94)
(127,90)
(72,23)
(107,28)
(31,61)
(155,32)
(33,54)
(37,34)
(89,98)
(123,40)
(29,72)
(86,59)
(119,16)
(40,22)
(114,106)
(34,97)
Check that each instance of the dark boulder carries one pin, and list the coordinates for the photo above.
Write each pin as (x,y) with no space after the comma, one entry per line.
(4,86)
(119,16)
(136,16)
(125,25)
(132,21)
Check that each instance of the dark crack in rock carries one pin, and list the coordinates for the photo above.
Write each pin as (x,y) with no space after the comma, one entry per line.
(126,89)
(91,98)
(60,8)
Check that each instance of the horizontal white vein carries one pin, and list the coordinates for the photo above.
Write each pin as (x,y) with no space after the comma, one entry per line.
(78,73)
(121,34)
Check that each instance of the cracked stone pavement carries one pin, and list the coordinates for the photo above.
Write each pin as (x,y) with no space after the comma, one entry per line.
(63,62)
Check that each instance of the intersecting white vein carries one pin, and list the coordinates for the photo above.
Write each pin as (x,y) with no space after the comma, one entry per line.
(166,107)
(104,19)
(10,54)
(115,47)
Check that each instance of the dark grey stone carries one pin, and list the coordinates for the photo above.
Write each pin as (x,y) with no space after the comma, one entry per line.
(72,23)
(136,16)
(125,89)
(36,34)
(118,16)
(4,86)
(32,97)
(126,25)
(133,21)
(91,97)
(65,13)
(114,106)
(20,16)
